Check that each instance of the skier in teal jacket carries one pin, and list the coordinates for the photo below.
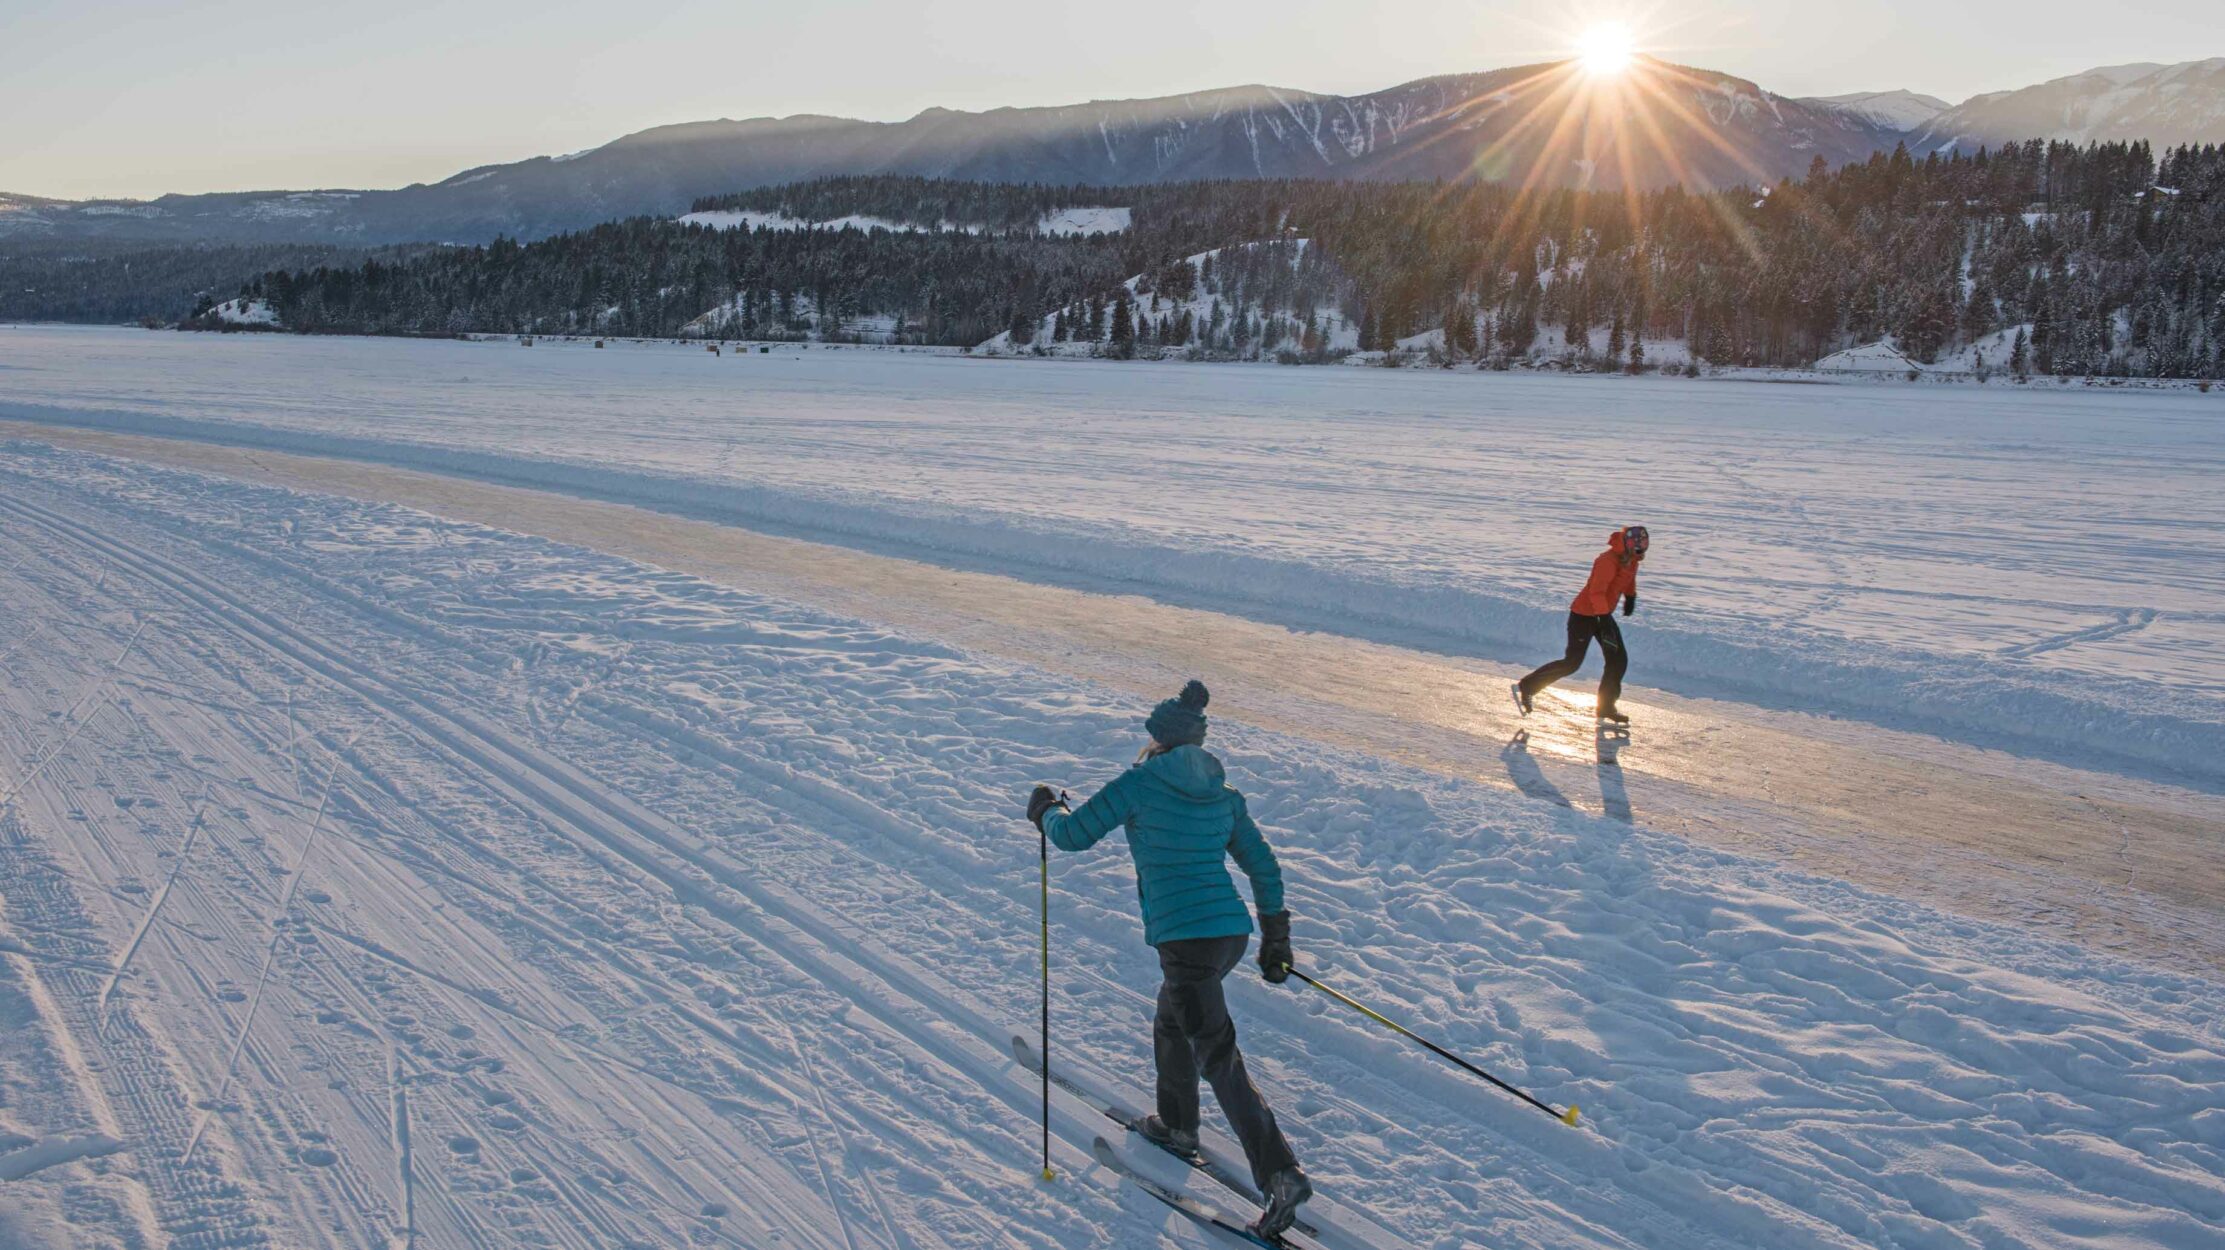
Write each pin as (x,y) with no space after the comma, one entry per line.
(1184,823)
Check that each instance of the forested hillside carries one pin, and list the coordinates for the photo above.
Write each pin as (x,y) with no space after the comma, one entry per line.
(2052,258)
(101,281)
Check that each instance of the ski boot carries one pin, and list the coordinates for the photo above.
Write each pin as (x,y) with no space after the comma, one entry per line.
(1287,1190)
(1174,1140)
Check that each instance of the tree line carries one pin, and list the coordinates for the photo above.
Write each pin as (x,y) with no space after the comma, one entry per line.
(2042,257)
(108,282)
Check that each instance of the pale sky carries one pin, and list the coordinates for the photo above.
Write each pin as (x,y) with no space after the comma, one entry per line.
(140,97)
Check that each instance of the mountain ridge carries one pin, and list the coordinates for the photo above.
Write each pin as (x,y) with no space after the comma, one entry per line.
(1545,124)
(2166,105)
(1902,109)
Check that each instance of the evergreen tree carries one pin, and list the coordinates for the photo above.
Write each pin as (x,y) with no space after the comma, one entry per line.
(1460,331)
(1123,327)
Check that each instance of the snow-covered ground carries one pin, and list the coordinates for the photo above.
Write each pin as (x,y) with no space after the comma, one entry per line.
(374,879)
(1081,220)
(246,312)
(1878,357)
(728,320)
(746,219)
(1204,307)
(2018,567)
(1064,221)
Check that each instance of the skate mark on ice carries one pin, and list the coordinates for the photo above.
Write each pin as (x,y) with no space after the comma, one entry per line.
(2126,621)
(1821,541)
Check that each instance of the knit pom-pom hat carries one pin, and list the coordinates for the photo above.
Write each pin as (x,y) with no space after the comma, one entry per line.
(1180,721)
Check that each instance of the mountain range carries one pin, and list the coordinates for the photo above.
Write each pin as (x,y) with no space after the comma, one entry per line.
(1547,125)
(2167,105)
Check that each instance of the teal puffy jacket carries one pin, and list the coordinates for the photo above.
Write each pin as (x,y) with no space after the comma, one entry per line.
(1184,822)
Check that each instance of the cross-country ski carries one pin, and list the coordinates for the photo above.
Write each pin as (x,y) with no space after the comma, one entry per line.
(1205,1214)
(1203,1159)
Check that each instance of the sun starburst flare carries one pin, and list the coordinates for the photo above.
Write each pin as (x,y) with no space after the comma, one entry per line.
(1606,49)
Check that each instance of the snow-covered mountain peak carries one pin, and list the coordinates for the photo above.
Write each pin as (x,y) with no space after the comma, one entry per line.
(2122,75)
(1900,109)
(2166,105)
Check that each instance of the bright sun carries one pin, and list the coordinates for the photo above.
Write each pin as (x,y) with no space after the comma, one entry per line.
(1605,49)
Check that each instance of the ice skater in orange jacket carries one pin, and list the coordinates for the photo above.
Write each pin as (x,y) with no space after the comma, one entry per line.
(1614,575)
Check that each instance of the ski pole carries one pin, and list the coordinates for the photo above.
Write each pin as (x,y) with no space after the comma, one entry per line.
(1043,859)
(1566,1117)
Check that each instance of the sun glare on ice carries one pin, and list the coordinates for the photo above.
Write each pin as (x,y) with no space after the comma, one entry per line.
(1606,48)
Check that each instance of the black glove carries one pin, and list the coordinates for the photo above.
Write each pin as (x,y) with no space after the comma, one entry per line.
(1274,947)
(1629,603)
(1042,800)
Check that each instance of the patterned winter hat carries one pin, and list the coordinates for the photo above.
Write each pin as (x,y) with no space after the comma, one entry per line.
(1180,721)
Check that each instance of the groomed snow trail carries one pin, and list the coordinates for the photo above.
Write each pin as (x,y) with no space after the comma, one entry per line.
(646,911)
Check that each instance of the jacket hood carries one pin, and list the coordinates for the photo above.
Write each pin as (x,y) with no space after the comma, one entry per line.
(1614,542)
(1188,771)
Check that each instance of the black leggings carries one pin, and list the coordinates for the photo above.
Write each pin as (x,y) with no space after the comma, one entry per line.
(1192,1036)
(1581,630)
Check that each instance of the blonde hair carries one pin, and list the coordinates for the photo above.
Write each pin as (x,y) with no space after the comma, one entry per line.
(1151,748)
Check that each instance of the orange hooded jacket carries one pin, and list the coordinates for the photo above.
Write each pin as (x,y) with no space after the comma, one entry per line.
(1611,579)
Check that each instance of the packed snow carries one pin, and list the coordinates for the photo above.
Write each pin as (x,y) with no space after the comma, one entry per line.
(1064,221)
(373,878)
(2014,566)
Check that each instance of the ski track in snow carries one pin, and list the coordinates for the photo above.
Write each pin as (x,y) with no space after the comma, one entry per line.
(1953,562)
(639,910)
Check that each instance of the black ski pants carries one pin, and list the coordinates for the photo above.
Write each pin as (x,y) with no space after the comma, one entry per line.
(1581,630)
(1192,1035)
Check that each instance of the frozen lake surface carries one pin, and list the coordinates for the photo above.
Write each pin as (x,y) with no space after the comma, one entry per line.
(2024,567)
